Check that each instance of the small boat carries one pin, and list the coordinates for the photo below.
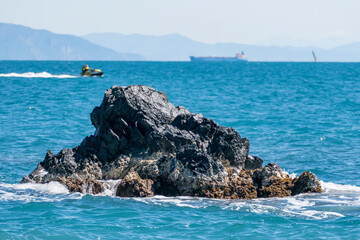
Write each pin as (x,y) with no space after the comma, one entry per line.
(92,73)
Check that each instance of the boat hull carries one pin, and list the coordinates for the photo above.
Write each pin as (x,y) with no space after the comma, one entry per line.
(216,59)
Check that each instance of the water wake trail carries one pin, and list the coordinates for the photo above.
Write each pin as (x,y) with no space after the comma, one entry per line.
(36,75)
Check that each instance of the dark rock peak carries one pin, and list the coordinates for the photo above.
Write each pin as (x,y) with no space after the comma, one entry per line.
(154,147)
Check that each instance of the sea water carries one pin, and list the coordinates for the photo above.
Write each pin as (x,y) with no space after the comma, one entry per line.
(303,116)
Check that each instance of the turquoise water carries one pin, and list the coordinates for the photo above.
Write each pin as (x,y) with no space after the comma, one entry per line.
(303,116)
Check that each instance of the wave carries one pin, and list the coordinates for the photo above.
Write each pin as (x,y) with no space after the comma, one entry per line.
(35,192)
(36,75)
(330,187)
(58,188)
(48,188)
(332,203)
(296,207)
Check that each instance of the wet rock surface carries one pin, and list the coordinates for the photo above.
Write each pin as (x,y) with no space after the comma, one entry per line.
(155,148)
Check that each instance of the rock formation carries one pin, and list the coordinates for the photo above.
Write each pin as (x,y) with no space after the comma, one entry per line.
(155,148)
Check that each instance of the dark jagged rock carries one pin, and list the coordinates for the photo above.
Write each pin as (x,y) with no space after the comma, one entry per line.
(153,147)
(253,162)
(305,183)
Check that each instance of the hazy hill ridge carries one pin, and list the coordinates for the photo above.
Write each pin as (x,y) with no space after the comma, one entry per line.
(174,47)
(23,43)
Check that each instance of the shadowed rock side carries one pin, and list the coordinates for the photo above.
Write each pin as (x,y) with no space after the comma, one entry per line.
(153,148)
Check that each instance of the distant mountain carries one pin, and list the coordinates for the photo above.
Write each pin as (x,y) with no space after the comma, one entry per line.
(171,47)
(174,47)
(23,43)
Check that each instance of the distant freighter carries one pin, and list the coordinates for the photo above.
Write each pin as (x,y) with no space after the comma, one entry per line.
(240,57)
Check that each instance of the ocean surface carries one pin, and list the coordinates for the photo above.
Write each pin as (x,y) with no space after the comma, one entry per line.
(303,116)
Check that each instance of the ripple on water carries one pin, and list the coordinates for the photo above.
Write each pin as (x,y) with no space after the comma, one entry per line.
(302,116)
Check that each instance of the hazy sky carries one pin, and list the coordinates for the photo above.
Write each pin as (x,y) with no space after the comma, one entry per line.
(297,22)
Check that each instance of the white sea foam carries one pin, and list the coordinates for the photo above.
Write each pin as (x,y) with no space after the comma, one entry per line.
(320,214)
(331,202)
(339,188)
(34,192)
(189,202)
(292,175)
(48,188)
(36,75)
(295,203)
(110,189)
(298,207)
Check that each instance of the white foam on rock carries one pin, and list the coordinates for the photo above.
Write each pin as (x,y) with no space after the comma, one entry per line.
(292,175)
(110,189)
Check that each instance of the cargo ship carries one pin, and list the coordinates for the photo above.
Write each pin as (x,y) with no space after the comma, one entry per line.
(239,57)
